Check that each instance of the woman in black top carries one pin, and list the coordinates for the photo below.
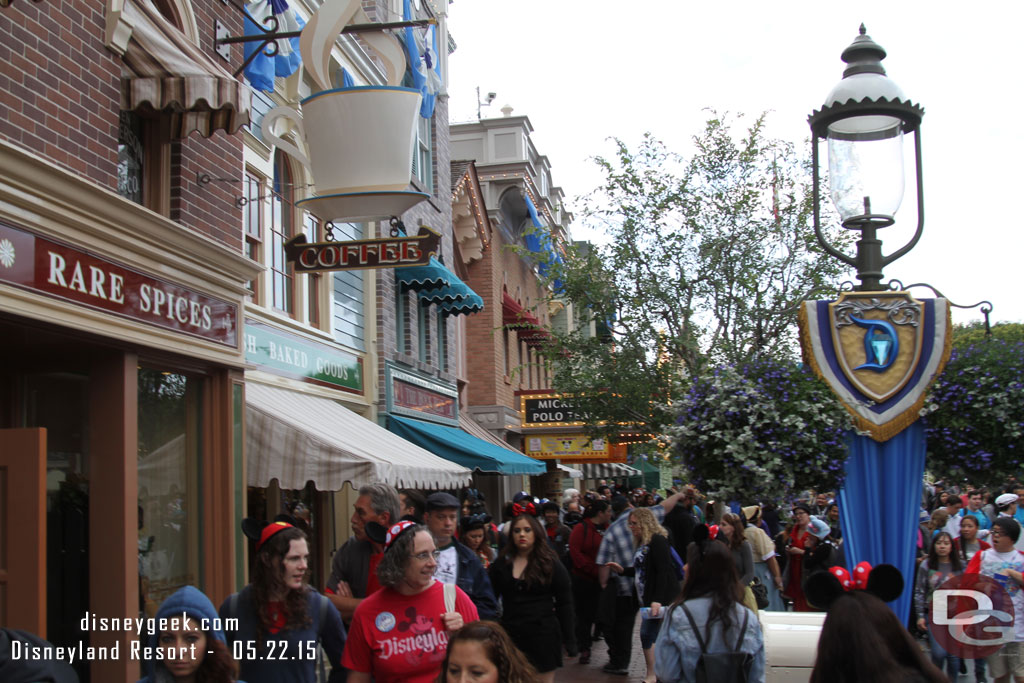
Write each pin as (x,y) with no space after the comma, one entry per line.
(536,597)
(656,581)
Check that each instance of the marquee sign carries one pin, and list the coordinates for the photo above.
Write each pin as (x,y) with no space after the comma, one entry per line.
(879,352)
(388,252)
(551,410)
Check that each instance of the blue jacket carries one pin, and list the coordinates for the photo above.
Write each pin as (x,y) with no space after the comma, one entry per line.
(473,580)
(195,604)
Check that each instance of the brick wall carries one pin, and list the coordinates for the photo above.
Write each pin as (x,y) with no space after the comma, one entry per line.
(500,268)
(60,98)
(60,87)
(435,213)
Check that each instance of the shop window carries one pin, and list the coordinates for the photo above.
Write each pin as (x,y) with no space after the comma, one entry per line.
(170,437)
(144,161)
(282,275)
(401,324)
(252,217)
(312,228)
(422,332)
(442,343)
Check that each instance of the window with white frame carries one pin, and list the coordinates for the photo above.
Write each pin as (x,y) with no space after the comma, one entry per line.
(422,160)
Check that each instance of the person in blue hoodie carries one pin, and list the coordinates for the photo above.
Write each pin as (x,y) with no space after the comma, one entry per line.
(280,618)
(185,652)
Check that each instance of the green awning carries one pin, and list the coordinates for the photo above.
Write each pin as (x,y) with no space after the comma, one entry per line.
(455,445)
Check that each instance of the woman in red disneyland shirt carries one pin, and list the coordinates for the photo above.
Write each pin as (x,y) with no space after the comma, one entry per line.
(400,633)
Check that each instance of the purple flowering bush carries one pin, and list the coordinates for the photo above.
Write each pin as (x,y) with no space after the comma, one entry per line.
(761,430)
(975,413)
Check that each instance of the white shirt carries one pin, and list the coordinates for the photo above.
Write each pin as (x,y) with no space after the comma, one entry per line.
(447,565)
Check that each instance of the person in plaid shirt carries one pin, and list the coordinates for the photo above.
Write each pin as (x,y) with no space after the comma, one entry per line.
(617,546)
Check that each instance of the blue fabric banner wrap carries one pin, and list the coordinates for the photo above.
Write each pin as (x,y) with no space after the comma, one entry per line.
(880,504)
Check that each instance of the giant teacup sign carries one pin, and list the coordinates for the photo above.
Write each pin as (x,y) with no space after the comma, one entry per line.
(355,141)
(390,252)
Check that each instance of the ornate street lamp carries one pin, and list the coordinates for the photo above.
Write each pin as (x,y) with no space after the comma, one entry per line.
(863,120)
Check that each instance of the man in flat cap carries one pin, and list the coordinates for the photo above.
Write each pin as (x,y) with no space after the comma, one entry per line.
(458,564)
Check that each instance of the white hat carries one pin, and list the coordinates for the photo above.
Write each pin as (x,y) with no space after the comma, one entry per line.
(1005,500)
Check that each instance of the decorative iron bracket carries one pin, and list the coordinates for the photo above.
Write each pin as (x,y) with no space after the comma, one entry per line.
(985,306)
(271,34)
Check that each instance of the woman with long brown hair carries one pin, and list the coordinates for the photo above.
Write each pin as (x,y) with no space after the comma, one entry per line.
(280,617)
(536,596)
(708,617)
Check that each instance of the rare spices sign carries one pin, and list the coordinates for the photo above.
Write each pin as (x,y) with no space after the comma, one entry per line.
(61,271)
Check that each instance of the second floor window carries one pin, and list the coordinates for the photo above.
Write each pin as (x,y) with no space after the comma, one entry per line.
(282,275)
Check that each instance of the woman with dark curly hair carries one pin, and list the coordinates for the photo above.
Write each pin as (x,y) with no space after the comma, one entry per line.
(187,652)
(401,632)
(536,596)
(482,652)
(280,618)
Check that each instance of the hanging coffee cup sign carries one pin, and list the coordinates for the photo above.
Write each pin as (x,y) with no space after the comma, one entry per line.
(356,142)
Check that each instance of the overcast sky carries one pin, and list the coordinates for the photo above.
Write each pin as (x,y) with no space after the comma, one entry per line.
(584,71)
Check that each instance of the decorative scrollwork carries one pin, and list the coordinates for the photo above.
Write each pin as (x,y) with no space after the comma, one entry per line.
(899,312)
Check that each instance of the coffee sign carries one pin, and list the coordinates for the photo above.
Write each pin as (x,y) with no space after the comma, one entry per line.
(60,271)
(393,252)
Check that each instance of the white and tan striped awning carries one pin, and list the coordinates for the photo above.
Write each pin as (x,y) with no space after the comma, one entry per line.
(164,71)
(295,437)
(607,470)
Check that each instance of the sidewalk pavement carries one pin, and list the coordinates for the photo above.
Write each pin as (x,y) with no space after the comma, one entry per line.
(572,671)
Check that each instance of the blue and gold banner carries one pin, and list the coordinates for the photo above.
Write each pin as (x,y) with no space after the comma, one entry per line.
(879,352)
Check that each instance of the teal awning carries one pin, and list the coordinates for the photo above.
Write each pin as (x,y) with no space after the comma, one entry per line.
(431,276)
(455,445)
(473,303)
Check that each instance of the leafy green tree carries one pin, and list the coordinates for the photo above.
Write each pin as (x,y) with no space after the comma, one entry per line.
(706,261)
(973,333)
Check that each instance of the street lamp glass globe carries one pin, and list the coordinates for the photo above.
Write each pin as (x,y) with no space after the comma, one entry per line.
(865,166)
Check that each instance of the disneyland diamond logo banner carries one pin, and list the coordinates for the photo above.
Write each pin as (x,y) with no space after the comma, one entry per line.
(879,352)
(971,616)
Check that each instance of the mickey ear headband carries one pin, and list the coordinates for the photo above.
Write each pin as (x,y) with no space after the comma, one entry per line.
(387,536)
(260,530)
(824,588)
(518,509)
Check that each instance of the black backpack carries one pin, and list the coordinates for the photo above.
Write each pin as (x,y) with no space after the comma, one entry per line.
(722,667)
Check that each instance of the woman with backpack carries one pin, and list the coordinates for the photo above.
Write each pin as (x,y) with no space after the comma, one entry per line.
(654,571)
(708,634)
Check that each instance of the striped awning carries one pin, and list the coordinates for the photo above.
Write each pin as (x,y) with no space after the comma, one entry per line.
(607,470)
(295,437)
(164,72)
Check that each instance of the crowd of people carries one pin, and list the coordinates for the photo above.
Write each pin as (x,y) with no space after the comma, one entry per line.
(433,588)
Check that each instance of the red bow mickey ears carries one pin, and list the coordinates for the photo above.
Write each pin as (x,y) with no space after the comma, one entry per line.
(395,531)
(518,509)
(857,580)
(860,575)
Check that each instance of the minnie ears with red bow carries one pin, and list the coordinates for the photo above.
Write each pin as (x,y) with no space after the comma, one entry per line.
(519,509)
(260,530)
(823,588)
(703,532)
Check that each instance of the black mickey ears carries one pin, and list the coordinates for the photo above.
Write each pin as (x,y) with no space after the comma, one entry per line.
(886,582)
(821,589)
(700,534)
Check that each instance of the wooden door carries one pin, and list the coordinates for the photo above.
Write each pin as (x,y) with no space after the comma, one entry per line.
(23,529)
